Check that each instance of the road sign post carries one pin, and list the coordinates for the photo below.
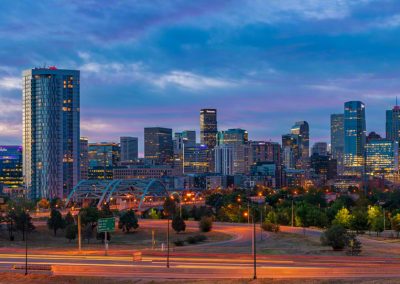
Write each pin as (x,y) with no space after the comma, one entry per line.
(105,225)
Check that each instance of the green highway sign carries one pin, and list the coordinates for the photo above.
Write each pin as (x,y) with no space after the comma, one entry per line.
(106,225)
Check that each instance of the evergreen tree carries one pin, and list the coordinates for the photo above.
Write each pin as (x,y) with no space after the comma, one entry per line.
(55,222)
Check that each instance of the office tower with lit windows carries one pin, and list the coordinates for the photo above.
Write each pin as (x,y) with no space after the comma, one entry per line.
(393,123)
(129,148)
(84,158)
(103,158)
(320,148)
(354,138)
(208,127)
(337,140)
(301,130)
(50,131)
(290,150)
(158,145)
(231,159)
(11,166)
(232,136)
(381,156)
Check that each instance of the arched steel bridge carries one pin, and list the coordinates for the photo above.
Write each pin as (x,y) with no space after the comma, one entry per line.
(128,193)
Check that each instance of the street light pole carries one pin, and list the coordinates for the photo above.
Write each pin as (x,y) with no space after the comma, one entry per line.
(254,247)
(26,244)
(292,213)
(168,242)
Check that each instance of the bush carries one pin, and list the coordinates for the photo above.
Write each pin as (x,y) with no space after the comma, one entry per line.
(191,240)
(71,232)
(205,224)
(353,245)
(336,237)
(200,238)
(179,243)
(178,224)
(270,227)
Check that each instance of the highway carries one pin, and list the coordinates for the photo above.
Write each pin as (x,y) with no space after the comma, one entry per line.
(204,263)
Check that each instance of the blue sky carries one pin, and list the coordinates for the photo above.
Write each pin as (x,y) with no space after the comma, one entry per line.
(262,64)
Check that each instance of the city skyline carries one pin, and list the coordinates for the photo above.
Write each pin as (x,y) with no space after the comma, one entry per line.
(203,55)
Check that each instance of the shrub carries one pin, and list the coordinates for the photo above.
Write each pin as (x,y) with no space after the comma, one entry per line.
(178,224)
(191,240)
(270,227)
(353,245)
(71,232)
(200,238)
(205,224)
(179,243)
(336,237)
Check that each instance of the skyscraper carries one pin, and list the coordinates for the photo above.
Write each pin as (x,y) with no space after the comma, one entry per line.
(320,148)
(354,137)
(302,130)
(232,136)
(208,127)
(382,156)
(84,158)
(50,131)
(393,123)
(103,158)
(129,148)
(11,166)
(337,140)
(158,145)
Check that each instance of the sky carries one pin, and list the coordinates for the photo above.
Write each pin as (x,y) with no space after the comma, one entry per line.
(262,64)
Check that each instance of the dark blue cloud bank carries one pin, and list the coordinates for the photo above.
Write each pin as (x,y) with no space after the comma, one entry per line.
(263,64)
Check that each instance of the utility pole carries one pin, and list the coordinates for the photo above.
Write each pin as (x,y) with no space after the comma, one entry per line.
(79,233)
(105,243)
(248,212)
(254,247)
(168,242)
(26,244)
(292,213)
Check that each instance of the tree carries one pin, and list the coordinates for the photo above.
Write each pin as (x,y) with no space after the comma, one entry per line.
(105,211)
(205,224)
(343,218)
(353,245)
(56,203)
(71,232)
(69,219)
(128,221)
(268,226)
(55,222)
(88,232)
(43,203)
(178,224)
(336,237)
(359,221)
(89,215)
(153,214)
(23,222)
(169,206)
(395,221)
(375,219)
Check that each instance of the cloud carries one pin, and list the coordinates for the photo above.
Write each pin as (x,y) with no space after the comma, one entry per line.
(388,22)
(10,83)
(191,81)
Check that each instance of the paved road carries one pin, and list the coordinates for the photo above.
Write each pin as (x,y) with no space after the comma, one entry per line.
(195,265)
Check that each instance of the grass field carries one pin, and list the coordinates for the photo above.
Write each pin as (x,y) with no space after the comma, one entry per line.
(42,237)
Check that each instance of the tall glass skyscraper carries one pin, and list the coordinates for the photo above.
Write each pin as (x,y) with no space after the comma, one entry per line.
(103,158)
(208,127)
(232,136)
(50,131)
(354,137)
(337,140)
(158,145)
(302,130)
(129,148)
(393,124)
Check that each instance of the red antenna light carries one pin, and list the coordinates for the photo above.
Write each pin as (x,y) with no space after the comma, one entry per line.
(52,68)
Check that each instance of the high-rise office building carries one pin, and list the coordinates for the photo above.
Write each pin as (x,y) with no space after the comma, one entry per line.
(189,136)
(232,136)
(231,159)
(354,137)
(103,158)
(337,140)
(320,148)
(129,148)
(50,131)
(290,150)
(158,145)
(393,123)
(302,130)
(84,160)
(382,156)
(208,127)
(11,166)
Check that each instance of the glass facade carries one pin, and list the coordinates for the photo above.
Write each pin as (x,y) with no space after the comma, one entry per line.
(129,148)
(337,140)
(11,166)
(393,124)
(232,136)
(208,127)
(354,137)
(158,145)
(381,156)
(103,157)
(84,158)
(51,131)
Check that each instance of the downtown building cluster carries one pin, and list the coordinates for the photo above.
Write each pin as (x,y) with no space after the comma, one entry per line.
(54,157)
